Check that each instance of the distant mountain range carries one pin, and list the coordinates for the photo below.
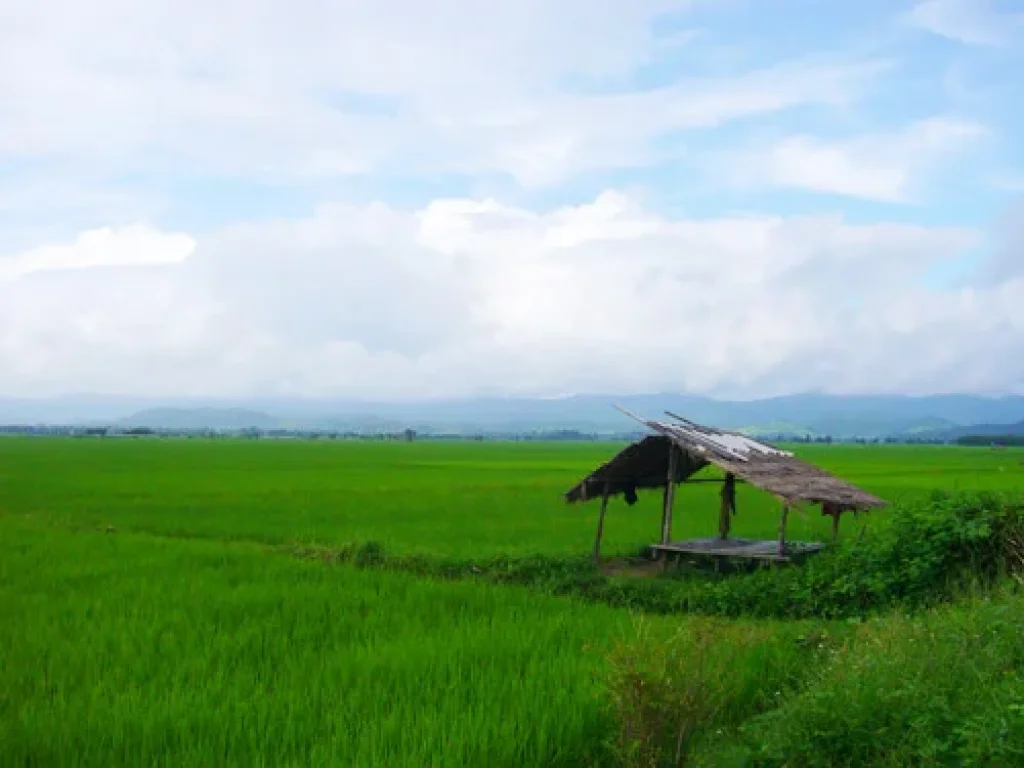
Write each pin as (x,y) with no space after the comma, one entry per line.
(977,430)
(813,415)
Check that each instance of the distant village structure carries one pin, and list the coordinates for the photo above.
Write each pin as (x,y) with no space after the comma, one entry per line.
(680,449)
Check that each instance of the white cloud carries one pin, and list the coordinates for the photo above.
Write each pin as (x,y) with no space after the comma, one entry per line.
(882,167)
(126,247)
(1005,263)
(975,22)
(113,112)
(311,89)
(466,296)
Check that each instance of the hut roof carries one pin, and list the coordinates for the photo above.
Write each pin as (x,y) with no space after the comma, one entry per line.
(644,464)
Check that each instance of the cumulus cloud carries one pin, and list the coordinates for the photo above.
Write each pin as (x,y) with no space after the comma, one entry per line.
(114,112)
(466,296)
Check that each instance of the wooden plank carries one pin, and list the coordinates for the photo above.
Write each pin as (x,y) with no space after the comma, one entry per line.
(600,525)
(771,557)
(738,548)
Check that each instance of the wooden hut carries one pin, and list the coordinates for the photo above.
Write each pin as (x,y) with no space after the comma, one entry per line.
(679,449)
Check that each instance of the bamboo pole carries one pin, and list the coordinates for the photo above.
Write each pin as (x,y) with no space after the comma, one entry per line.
(600,525)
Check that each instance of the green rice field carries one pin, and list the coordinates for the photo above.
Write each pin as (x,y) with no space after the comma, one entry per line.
(152,612)
(447,499)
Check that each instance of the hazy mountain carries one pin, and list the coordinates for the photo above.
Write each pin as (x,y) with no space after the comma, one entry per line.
(200,418)
(815,415)
(978,430)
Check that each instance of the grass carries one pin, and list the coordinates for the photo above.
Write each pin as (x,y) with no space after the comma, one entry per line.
(135,650)
(189,635)
(444,500)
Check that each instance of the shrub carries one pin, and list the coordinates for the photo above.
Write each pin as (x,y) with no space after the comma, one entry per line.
(667,692)
(943,688)
(927,553)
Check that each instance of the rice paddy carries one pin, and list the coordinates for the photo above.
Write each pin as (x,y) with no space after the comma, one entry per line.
(150,613)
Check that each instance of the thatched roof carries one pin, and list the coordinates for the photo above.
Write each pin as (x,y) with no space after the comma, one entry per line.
(645,465)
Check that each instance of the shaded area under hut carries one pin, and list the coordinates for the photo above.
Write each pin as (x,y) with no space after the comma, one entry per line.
(679,449)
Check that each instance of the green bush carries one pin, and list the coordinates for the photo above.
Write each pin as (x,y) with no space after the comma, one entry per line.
(927,553)
(940,687)
(943,688)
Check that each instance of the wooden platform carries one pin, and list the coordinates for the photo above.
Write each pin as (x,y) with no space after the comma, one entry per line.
(743,548)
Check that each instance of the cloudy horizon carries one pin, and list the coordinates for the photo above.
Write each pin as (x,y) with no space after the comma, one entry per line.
(738,199)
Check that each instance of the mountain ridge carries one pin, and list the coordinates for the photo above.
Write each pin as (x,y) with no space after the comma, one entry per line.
(839,416)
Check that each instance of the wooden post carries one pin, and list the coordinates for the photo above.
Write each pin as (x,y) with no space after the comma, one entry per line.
(834,511)
(782,529)
(728,505)
(600,524)
(666,513)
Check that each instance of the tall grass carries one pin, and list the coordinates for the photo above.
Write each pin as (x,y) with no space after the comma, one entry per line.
(670,690)
(128,650)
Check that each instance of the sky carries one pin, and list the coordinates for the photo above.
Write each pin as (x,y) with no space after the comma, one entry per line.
(409,200)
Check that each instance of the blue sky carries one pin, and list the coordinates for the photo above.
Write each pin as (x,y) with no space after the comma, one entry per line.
(429,199)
